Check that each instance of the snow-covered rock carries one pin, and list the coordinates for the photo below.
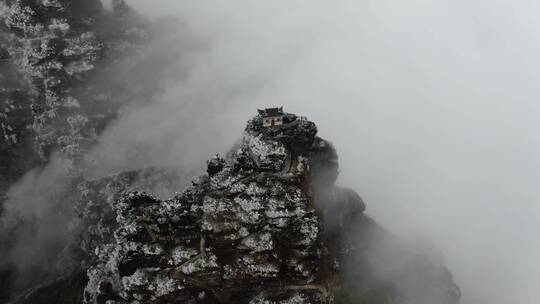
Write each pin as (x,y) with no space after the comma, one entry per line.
(250,220)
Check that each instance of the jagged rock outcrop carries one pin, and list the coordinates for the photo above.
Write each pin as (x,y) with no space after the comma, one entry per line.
(245,232)
(95,219)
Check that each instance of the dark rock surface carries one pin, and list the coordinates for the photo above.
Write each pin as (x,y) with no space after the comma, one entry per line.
(246,232)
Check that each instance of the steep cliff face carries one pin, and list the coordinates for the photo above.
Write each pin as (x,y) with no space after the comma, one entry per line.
(245,232)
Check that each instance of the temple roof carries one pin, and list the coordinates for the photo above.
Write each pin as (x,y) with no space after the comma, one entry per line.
(271,112)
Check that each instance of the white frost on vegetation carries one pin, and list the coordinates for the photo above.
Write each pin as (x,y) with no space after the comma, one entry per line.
(181,254)
(294,299)
(137,279)
(259,242)
(59,25)
(201,263)
(163,285)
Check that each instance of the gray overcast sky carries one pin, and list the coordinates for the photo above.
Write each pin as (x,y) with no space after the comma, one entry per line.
(432,105)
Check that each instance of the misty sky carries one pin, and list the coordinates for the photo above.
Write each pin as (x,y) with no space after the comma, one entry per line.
(432,105)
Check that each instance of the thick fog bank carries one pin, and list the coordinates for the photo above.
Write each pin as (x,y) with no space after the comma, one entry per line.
(431,105)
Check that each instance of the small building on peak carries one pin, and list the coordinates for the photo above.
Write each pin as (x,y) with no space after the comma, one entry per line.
(272,116)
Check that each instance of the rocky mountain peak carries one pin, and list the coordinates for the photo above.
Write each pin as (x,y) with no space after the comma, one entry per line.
(245,232)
